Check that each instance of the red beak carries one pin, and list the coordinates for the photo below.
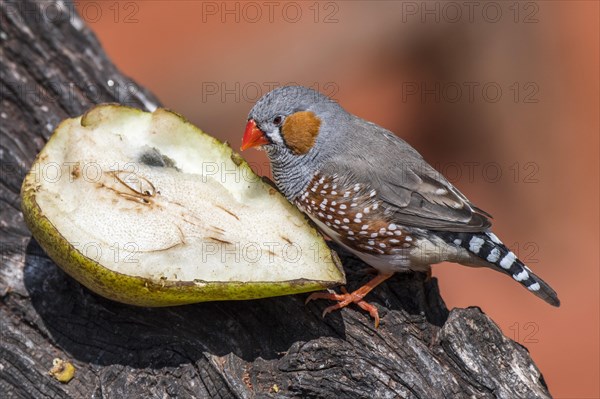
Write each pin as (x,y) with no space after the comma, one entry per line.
(253,136)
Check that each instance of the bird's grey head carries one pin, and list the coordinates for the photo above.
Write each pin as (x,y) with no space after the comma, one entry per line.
(294,125)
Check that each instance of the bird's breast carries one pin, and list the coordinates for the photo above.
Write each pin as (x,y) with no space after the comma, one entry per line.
(351,214)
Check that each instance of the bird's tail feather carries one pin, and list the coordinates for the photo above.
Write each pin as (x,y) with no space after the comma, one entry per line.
(489,248)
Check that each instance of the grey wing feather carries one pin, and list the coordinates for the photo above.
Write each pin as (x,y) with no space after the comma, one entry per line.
(431,203)
(413,191)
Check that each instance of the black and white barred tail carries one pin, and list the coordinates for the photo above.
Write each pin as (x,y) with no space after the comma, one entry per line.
(489,248)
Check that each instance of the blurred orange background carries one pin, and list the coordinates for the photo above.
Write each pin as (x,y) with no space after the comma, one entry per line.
(502,97)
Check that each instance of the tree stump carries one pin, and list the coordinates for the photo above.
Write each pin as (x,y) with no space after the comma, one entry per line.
(52,68)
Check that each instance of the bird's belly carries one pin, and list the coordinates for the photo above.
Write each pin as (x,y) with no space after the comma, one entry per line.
(400,261)
(424,253)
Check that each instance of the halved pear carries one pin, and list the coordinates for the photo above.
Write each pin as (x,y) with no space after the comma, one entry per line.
(146,209)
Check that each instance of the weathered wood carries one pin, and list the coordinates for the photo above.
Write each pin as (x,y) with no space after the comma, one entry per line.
(53,67)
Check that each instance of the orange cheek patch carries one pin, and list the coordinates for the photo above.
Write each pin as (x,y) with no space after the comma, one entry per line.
(300,131)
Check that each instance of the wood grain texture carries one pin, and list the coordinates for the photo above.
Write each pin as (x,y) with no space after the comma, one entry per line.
(53,68)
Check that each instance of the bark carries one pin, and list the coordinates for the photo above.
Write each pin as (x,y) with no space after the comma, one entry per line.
(52,67)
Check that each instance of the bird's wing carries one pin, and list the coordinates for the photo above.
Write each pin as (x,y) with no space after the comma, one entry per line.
(414,193)
(419,199)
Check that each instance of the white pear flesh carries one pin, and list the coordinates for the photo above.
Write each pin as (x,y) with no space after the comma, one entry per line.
(146,209)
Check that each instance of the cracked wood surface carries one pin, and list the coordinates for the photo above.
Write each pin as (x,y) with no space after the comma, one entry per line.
(277,347)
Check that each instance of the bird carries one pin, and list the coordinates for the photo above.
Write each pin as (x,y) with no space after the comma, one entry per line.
(373,194)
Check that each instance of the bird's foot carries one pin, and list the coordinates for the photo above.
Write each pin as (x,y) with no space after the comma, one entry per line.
(346,298)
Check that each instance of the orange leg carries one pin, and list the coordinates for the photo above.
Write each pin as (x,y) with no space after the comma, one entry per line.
(346,298)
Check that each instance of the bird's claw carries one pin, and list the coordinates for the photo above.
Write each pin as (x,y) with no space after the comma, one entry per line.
(364,305)
(326,295)
(344,300)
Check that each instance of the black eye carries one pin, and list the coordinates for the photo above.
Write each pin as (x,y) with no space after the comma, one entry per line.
(277,120)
